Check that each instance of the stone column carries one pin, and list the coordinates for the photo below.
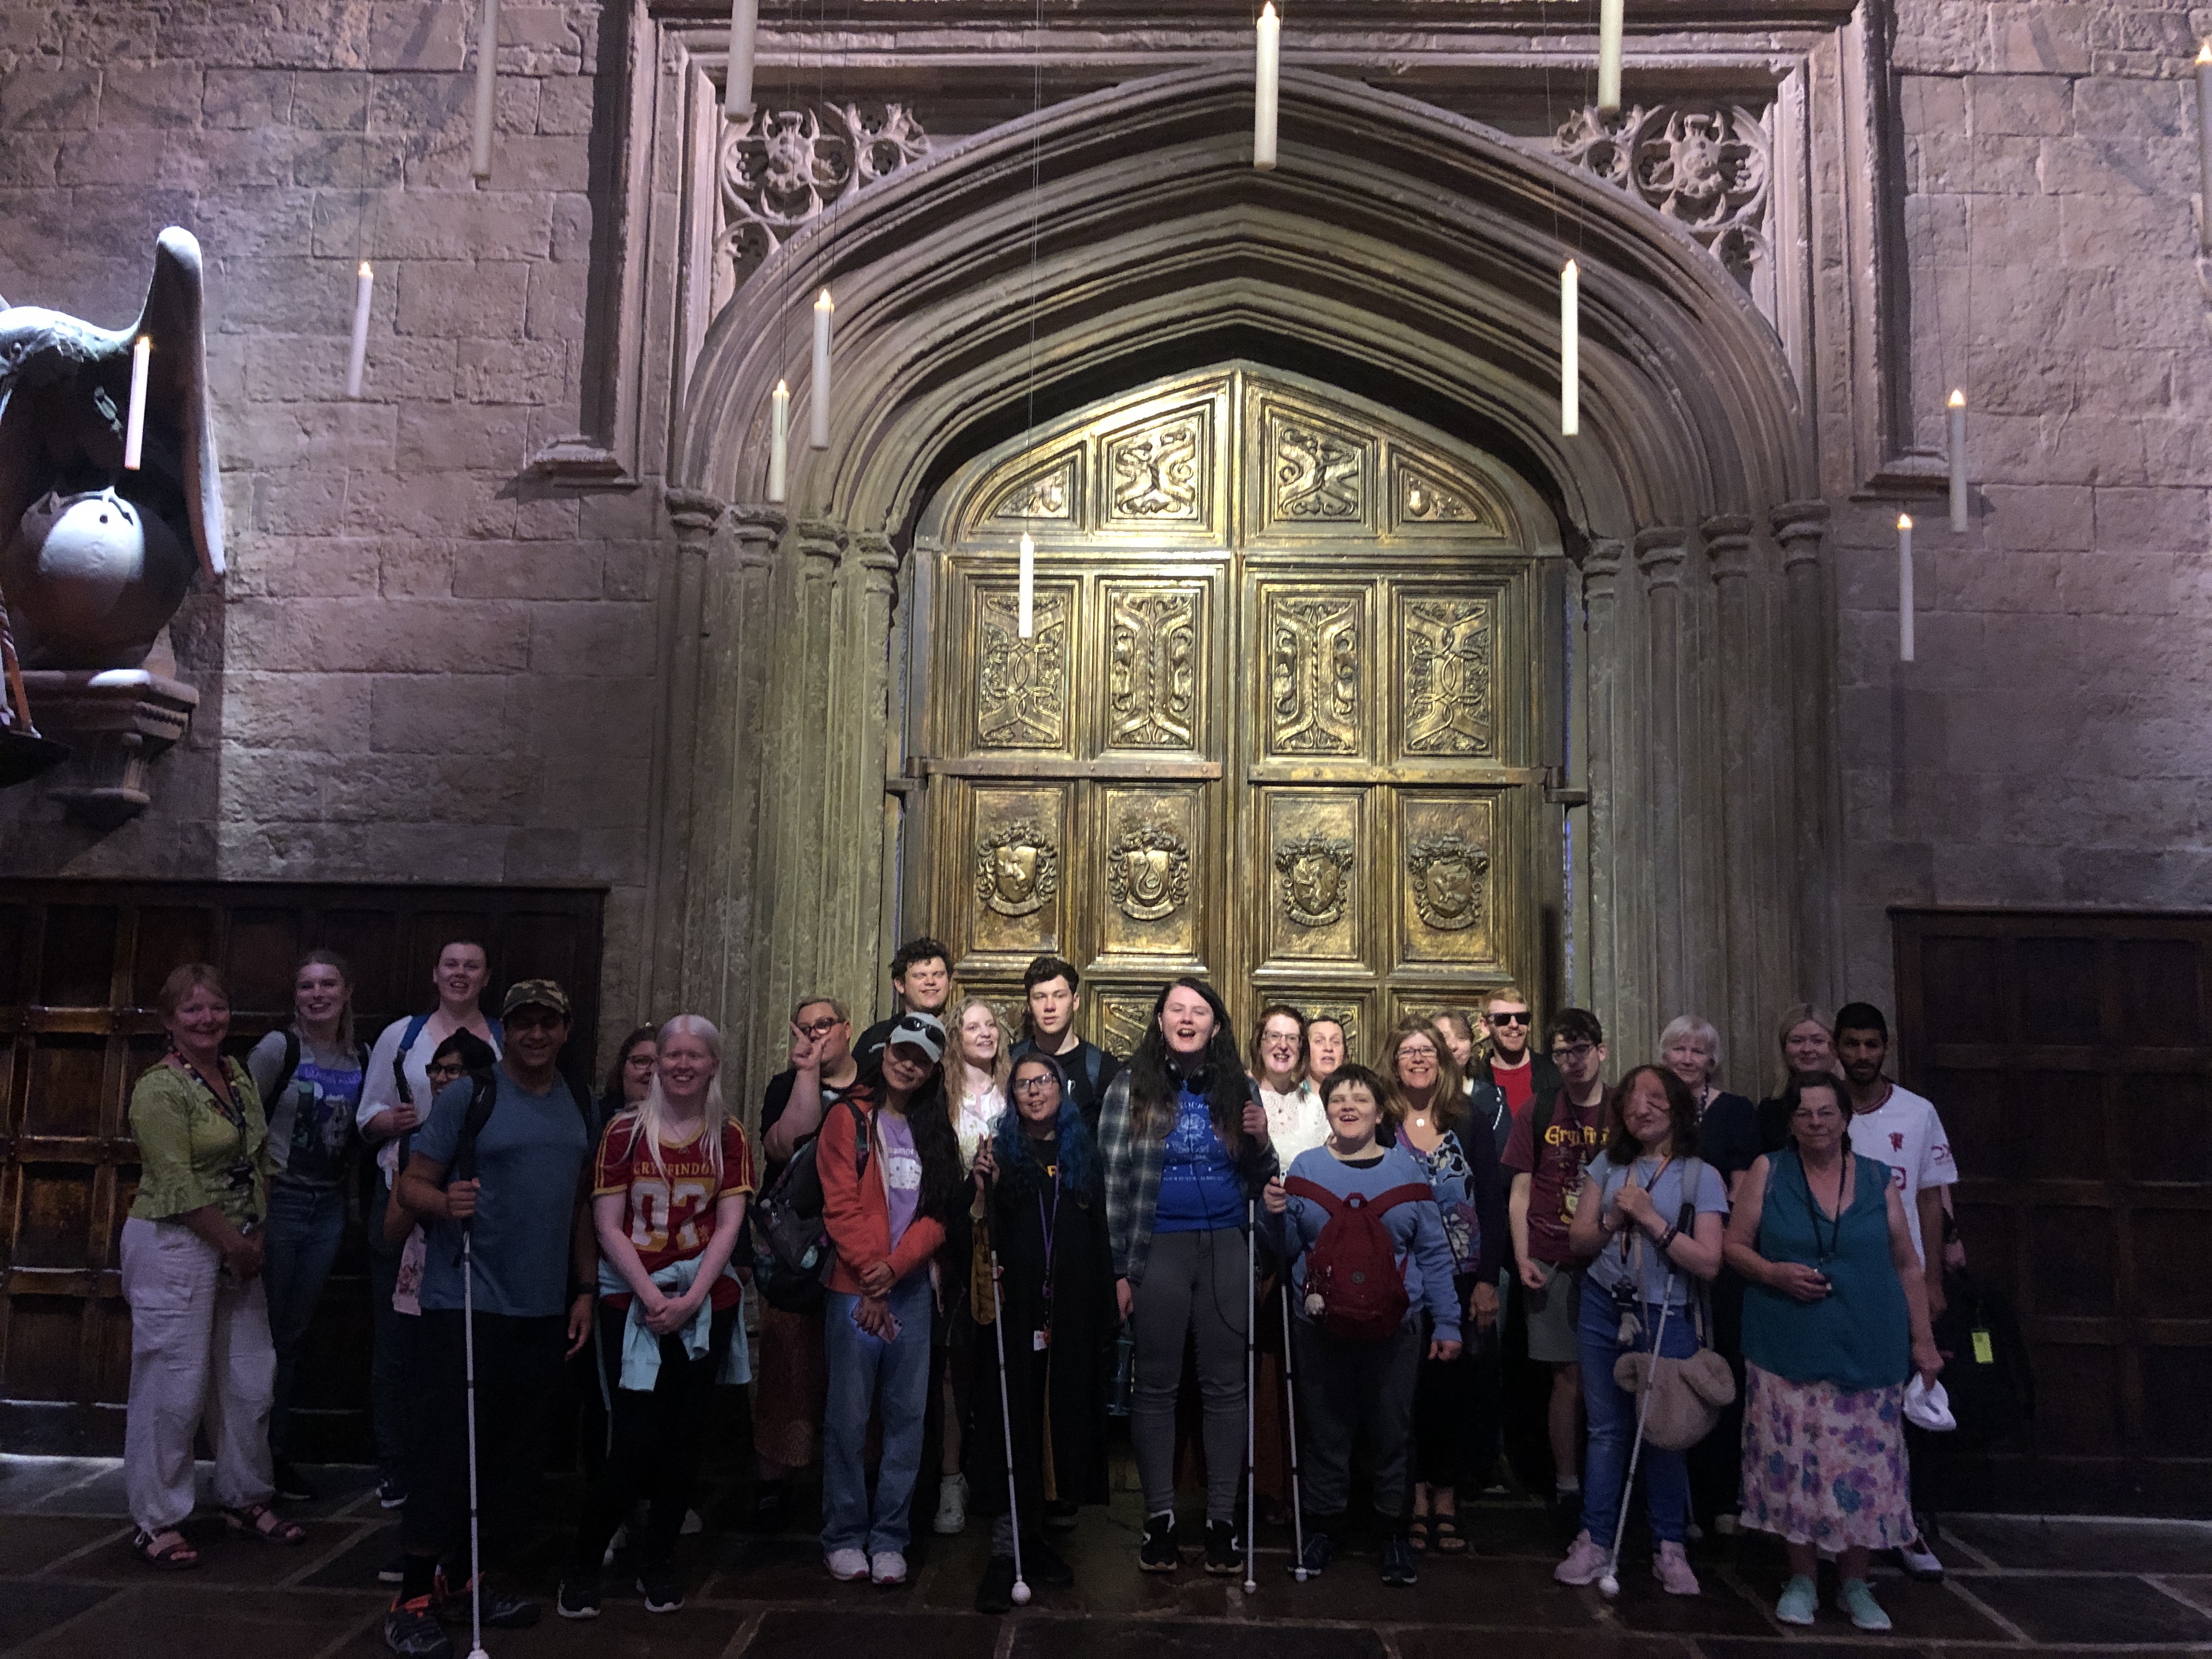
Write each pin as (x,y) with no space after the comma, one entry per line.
(1799,527)
(695,515)
(1661,553)
(1738,787)
(1609,964)
(854,949)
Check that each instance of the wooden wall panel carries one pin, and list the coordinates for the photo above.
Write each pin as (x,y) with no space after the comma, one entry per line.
(81,964)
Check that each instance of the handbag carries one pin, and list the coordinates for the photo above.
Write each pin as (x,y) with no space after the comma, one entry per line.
(1687,1395)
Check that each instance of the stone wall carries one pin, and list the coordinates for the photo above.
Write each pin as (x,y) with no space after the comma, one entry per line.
(425,665)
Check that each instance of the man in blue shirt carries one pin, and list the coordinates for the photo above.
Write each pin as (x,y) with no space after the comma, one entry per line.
(525,1208)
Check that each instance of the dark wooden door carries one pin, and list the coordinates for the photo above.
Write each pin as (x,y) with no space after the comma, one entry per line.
(2071,1058)
(80,965)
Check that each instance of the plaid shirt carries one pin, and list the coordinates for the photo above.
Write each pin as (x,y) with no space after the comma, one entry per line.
(1132,1178)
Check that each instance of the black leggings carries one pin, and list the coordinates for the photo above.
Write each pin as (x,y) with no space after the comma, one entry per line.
(655,1441)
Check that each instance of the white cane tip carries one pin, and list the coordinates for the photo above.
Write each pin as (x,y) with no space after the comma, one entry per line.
(478,1653)
(1298,1573)
(1021,1599)
(1608,1587)
(1251,1588)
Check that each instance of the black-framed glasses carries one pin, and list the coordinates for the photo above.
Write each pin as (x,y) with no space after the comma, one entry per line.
(1504,1017)
(819,1028)
(1036,1084)
(1574,1053)
(447,1069)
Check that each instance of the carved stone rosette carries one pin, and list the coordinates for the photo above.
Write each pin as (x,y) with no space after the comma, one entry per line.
(1016,868)
(1148,872)
(1446,874)
(1707,168)
(1317,876)
(780,168)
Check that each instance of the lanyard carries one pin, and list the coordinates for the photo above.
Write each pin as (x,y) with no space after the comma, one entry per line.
(233,1112)
(1047,1222)
(1630,1180)
(1826,1253)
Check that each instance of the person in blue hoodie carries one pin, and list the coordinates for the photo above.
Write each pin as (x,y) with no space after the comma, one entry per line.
(1349,1385)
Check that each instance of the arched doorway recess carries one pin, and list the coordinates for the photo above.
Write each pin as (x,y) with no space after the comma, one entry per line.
(1120,239)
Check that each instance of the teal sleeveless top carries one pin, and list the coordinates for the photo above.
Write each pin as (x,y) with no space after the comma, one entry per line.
(1858,1336)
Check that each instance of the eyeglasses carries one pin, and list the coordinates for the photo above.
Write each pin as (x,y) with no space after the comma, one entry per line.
(446,1069)
(1035,1086)
(1574,1053)
(1504,1016)
(818,1028)
(1408,1051)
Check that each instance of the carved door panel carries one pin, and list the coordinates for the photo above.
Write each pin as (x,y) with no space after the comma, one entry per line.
(1274,723)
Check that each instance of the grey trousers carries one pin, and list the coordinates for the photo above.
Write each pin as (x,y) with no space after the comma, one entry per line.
(1348,1388)
(1194,1283)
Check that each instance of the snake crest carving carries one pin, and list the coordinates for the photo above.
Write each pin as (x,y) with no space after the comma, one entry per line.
(1016,868)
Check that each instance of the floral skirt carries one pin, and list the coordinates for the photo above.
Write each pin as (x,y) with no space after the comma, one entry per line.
(1825,1467)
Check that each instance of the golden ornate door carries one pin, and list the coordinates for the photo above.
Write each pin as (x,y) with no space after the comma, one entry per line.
(1276,722)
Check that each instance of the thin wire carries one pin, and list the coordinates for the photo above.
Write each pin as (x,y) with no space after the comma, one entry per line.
(1037,175)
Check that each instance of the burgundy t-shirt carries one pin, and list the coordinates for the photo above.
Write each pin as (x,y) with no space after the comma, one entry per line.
(1517,1082)
(1571,1139)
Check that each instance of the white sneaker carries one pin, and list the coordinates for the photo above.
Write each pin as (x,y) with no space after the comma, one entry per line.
(1920,1562)
(621,1538)
(846,1565)
(888,1568)
(951,1506)
(693,1525)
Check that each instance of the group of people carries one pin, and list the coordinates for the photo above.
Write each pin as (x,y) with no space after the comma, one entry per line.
(1013,1231)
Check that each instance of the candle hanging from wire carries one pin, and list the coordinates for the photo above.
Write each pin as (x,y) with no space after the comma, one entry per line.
(364,290)
(134,433)
(738,82)
(1266,86)
(1957,410)
(2204,147)
(1571,350)
(1904,601)
(1609,21)
(1026,608)
(486,88)
(779,442)
(818,436)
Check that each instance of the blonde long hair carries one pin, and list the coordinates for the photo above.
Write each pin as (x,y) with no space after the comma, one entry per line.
(956,1076)
(651,1113)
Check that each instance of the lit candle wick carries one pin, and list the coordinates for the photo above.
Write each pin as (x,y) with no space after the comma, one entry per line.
(134,435)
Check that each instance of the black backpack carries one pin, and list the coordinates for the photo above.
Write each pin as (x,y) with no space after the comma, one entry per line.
(792,1252)
(1985,1369)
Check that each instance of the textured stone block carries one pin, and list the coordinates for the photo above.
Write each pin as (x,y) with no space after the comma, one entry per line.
(558,295)
(2106,107)
(286,367)
(2039,105)
(544,514)
(482,300)
(159,95)
(310,435)
(435,852)
(429,715)
(604,789)
(572,227)
(2033,39)
(521,159)
(417,502)
(492,437)
(415,567)
(579,714)
(27,160)
(331,100)
(526,570)
(2115,167)
(44,98)
(412,36)
(492,224)
(565,106)
(611,640)
(301,566)
(246,98)
(279,711)
(511,372)
(2163,517)
(301,503)
(412,637)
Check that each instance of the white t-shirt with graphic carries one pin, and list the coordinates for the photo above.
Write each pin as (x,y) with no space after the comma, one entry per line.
(1904,1132)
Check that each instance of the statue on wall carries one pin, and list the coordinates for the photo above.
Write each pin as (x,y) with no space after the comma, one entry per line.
(95,558)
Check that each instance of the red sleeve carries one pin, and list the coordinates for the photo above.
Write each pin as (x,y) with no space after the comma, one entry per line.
(736,1159)
(923,1237)
(611,1169)
(1520,1153)
(858,1224)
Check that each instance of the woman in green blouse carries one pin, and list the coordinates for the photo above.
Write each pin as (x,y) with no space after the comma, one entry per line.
(191,1265)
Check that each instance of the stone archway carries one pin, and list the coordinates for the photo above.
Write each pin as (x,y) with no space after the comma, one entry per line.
(1424,250)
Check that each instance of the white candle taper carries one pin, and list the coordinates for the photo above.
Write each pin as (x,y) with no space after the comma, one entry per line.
(1025,622)
(1571,351)
(2204,146)
(1266,85)
(1608,55)
(779,440)
(364,288)
(134,434)
(487,86)
(1904,588)
(818,393)
(737,83)
(1957,413)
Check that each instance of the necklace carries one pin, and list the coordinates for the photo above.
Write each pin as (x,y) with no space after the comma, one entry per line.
(1421,1123)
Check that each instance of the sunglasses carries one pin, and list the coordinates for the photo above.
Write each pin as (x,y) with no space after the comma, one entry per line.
(1521,1018)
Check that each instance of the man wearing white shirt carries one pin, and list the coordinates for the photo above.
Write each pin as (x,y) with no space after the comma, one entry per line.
(1898,1127)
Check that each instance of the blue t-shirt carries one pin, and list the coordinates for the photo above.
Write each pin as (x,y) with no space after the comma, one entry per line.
(1199,1188)
(1657,1275)
(530,1158)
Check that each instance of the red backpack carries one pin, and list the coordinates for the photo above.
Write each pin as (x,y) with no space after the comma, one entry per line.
(1355,1288)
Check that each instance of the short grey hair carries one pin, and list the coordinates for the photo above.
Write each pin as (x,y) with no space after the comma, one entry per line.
(1696,1028)
(806,1002)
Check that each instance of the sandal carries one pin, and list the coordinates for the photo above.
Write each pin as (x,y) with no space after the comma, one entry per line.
(1416,1532)
(1444,1531)
(175,1558)
(264,1524)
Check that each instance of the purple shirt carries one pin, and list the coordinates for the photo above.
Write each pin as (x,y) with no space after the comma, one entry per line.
(902,1171)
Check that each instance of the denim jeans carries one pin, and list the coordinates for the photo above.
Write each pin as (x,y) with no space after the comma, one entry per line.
(391,1356)
(894,1377)
(305,1227)
(1611,1411)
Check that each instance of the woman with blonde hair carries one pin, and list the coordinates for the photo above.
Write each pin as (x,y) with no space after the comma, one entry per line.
(668,1202)
(976,1073)
(1806,1041)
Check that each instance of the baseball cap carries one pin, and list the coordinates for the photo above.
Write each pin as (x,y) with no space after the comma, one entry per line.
(915,1030)
(536,994)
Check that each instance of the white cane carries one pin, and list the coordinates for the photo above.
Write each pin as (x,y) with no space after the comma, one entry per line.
(1251,1380)
(1609,1584)
(469,1372)
(1291,1411)
(1006,1417)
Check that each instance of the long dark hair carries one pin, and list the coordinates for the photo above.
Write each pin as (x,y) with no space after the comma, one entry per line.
(929,1116)
(1015,1153)
(613,1101)
(1622,1148)
(1155,1080)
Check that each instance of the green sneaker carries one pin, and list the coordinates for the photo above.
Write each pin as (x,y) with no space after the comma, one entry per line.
(1798,1602)
(1857,1598)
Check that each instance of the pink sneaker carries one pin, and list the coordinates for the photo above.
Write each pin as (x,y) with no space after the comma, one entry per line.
(1672,1568)
(1585,1563)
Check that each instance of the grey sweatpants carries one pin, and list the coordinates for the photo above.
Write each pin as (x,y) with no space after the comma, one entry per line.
(1194,1283)
(1348,1388)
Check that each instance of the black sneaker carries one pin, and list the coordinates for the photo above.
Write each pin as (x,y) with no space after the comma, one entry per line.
(503,1609)
(662,1589)
(1060,1514)
(1319,1552)
(410,1630)
(996,1593)
(1043,1564)
(579,1597)
(394,1572)
(770,1499)
(1158,1552)
(1224,1551)
(291,1486)
(1398,1560)
(391,1492)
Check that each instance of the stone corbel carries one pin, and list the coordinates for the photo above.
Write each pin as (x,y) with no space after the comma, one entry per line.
(117,722)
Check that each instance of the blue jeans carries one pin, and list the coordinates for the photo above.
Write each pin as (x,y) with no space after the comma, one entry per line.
(392,1355)
(893,1378)
(305,1227)
(1611,1411)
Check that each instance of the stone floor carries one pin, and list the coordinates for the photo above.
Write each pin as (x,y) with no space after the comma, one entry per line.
(68,1587)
